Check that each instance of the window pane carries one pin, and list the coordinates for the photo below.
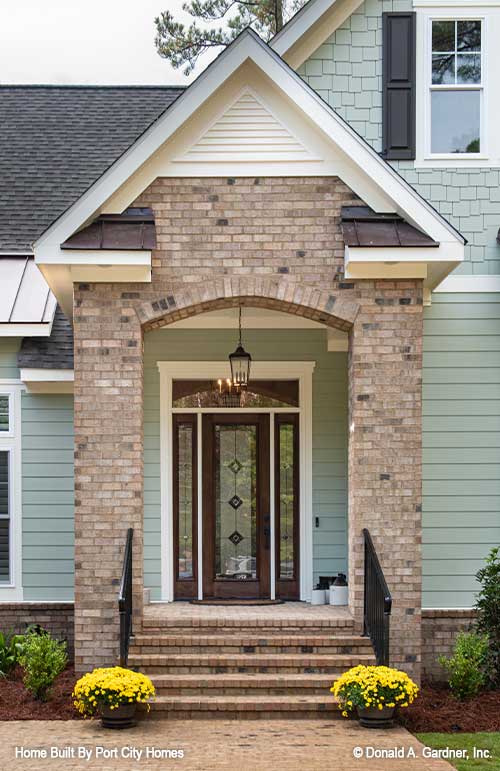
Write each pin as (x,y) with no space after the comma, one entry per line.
(287,502)
(469,36)
(443,69)
(185,482)
(455,121)
(215,393)
(4,517)
(443,36)
(468,68)
(4,413)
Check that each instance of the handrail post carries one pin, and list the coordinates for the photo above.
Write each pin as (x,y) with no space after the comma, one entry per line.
(125,603)
(377,603)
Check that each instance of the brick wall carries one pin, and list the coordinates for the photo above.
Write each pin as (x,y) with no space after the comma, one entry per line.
(275,243)
(439,632)
(385,467)
(56,617)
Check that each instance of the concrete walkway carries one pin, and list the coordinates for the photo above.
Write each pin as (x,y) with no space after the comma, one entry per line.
(249,745)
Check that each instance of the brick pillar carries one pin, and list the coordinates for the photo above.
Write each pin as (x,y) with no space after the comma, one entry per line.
(385,465)
(108,465)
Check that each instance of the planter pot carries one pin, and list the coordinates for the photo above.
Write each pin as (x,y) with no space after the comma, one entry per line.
(372,717)
(121,717)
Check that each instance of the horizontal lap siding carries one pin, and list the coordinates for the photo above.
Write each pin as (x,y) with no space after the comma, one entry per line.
(329,429)
(9,347)
(48,497)
(461,440)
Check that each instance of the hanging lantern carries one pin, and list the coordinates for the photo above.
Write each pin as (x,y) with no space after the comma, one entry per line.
(240,362)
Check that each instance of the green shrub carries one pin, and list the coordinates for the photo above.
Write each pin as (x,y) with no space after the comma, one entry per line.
(42,659)
(488,612)
(10,650)
(466,668)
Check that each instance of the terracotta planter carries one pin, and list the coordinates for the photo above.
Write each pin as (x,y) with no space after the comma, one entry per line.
(121,717)
(373,717)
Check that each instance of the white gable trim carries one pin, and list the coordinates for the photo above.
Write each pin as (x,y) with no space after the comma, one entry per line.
(310,27)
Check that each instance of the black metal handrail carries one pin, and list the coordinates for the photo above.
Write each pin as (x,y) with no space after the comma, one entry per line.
(378,603)
(125,600)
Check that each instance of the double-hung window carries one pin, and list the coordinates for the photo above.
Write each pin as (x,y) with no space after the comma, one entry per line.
(456,88)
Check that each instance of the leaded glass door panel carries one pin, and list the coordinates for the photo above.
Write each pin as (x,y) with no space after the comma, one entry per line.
(236,517)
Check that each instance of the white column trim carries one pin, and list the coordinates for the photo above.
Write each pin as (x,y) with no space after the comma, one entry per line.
(284,370)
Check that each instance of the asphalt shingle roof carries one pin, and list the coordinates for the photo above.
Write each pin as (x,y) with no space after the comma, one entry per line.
(54,352)
(55,141)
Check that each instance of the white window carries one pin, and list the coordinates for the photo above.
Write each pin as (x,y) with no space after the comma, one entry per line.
(10,493)
(456,87)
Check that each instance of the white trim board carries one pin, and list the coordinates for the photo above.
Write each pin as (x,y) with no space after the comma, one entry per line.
(465,284)
(310,27)
(284,370)
(247,59)
(11,442)
(48,381)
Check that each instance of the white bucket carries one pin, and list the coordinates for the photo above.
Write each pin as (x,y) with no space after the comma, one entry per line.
(339,595)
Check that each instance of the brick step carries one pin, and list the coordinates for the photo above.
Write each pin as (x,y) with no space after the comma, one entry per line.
(269,662)
(244,628)
(192,707)
(255,644)
(243,684)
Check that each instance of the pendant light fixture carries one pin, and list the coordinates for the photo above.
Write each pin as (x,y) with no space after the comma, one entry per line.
(240,362)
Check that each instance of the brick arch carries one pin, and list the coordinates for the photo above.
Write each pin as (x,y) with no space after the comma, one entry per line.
(328,308)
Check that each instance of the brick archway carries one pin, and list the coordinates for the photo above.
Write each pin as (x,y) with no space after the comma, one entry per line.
(328,308)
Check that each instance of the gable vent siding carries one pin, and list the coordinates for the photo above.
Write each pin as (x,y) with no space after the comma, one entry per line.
(247,131)
(398,85)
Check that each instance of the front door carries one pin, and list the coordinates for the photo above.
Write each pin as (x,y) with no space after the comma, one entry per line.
(236,506)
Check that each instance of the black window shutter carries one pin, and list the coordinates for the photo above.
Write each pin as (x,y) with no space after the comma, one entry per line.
(398,85)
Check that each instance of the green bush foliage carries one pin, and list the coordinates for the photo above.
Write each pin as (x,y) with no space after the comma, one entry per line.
(488,612)
(10,650)
(466,668)
(42,659)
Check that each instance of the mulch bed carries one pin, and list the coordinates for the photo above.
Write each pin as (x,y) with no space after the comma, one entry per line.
(16,703)
(436,710)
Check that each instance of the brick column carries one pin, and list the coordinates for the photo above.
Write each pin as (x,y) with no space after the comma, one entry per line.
(108,464)
(385,466)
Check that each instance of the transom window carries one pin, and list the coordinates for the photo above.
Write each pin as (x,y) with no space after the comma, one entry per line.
(456,86)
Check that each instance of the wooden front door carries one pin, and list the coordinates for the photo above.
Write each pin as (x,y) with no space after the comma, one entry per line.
(236,510)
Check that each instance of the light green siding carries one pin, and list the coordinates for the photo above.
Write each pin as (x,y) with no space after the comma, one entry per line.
(48,497)
(461,440)
(9,347)
(347,72)
(329,429)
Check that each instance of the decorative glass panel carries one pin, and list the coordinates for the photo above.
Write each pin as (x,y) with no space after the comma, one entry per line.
(287,502)
(4,517)
(235,502)
(185,491)
(260,393)
(455,121)
(4,413)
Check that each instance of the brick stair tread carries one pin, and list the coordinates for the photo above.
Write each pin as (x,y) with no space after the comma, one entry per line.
(250,658)
(243,703)
(243,679)
(255,640)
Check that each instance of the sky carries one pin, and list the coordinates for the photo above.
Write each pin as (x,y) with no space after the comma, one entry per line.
(84,41)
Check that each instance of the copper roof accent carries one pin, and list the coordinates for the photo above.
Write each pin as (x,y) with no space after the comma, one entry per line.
(361,226)
(133,229)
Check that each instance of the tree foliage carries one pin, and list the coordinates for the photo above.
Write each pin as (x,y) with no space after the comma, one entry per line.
(183,45)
